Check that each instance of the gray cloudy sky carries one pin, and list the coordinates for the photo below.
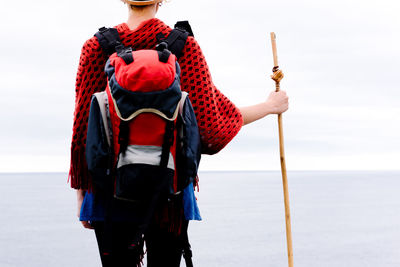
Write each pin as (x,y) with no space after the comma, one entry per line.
(341,60)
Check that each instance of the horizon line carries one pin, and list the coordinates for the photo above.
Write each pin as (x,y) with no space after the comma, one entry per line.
(320,170)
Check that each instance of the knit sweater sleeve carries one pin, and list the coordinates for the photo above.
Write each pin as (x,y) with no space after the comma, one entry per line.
(218,118)
(89,80)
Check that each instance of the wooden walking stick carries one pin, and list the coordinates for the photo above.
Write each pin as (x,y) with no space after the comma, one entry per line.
(277,77)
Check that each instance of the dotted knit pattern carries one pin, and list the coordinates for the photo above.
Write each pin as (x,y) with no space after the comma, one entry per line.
(218,118)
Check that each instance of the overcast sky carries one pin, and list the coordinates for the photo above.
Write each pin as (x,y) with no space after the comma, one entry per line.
(341,60)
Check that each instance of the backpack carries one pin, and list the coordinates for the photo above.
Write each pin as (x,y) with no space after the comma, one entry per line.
(152,139)
(143,141)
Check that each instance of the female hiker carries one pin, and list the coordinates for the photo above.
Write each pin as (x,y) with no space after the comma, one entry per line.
(219,120)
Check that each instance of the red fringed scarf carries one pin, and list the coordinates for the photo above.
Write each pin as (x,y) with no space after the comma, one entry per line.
(218,118)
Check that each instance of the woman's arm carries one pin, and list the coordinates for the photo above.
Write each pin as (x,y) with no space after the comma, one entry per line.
(89,80)
(277,103)
(219,120)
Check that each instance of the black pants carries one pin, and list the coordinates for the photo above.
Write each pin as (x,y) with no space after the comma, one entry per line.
(164,249)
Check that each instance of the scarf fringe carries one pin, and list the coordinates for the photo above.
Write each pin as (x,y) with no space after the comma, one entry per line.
(170,216)
(79,175)
(175,216)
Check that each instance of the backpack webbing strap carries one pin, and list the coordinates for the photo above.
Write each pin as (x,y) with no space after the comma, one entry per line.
(184,25)
(163,55)
(186,248)
(182,102)
(123,137)
(125,53)
(176,41)
(168,142)
(110,42)
(102,99)
(108,39)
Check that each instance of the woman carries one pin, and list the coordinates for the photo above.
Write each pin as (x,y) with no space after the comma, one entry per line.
(218,118)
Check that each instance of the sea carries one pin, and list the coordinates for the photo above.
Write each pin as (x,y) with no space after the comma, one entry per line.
(339,219)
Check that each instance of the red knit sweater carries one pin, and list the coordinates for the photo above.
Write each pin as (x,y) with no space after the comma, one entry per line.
(218,118)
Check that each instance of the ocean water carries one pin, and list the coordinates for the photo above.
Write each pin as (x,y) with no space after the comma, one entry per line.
(338,219)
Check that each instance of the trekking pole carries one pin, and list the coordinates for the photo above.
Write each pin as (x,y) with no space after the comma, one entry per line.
(277,77)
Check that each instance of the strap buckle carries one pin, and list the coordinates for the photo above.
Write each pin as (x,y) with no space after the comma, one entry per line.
(103,29)
(162,46)
(125,53)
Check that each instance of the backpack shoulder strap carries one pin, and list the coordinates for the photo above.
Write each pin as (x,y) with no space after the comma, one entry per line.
(108,39)
(184,25)
(176,40)
(182,102)
(103,104)
(110,42)
(186,248)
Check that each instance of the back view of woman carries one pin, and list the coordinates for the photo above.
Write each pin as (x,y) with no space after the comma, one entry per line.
(219,120)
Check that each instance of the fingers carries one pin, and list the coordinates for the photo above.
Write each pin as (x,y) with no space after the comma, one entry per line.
(279,102)
(282,94)
(285,101)
(279,95)
(87,225)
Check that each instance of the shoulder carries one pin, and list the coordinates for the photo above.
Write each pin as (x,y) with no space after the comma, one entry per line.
(192,43)
(91,47)
(191,52)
